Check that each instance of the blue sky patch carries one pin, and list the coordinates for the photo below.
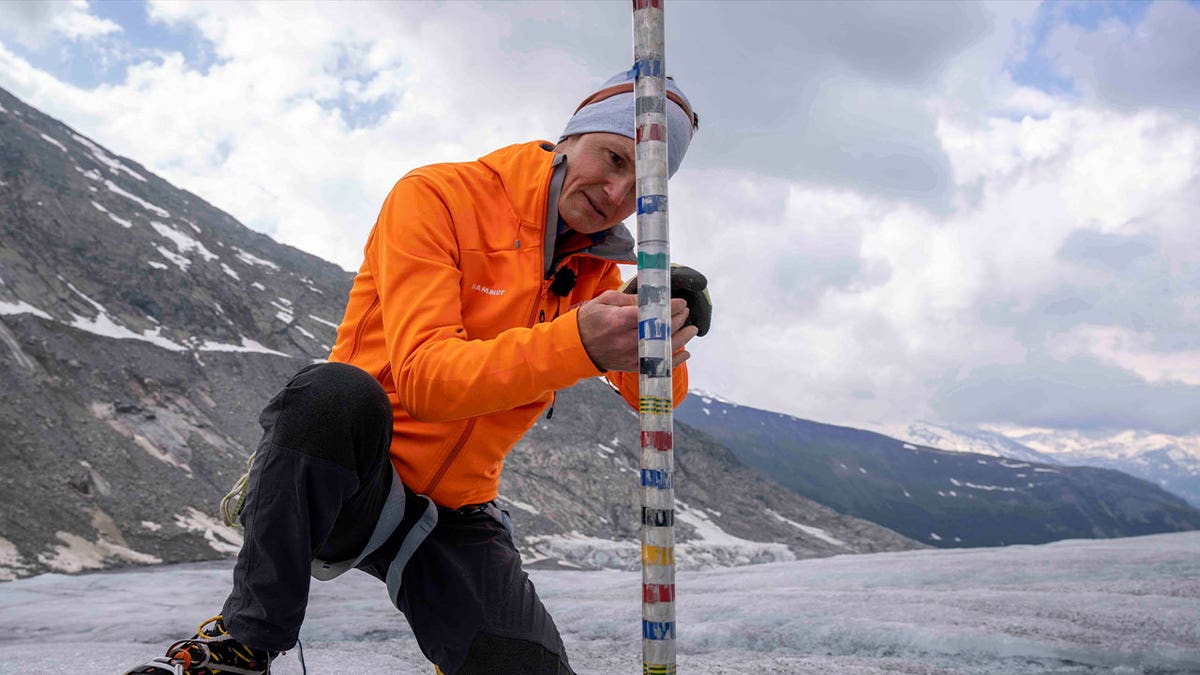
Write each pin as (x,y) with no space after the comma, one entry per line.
(106,59)
(1037,70)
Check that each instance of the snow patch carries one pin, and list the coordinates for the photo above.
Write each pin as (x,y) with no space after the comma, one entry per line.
(285,313)
(1016,465)
(103,325)
(157,210)
(22,307)
(717,547)
(103,157)
(585,551)
(181,262)
(12,563)
(221,537)
(809,530)
(78,554)
(90,174)
(120,221)
(990,488)
(183,242)
(251,259)
(318,319)
(53,142)
(524,506)
(708,397)
(229,270)
(247,345)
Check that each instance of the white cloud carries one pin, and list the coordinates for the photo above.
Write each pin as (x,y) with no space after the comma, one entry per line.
(1152,63)
(1131,350)
(883,218)
(34,22)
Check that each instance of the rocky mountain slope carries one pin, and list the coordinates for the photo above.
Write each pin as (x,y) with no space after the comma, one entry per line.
(942,498)
(141,330)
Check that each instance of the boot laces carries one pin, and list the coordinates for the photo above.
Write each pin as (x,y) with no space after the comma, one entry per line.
(197,651)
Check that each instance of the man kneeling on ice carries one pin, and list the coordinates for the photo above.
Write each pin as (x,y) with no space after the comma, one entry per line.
(486,286)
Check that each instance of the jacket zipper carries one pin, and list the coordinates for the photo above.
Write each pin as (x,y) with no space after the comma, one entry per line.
(362,325)
(462,441)
(535,316)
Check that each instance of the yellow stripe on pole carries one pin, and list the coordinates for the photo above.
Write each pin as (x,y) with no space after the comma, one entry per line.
(658,555)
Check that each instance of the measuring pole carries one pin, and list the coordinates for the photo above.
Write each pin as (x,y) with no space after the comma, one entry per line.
(654,341)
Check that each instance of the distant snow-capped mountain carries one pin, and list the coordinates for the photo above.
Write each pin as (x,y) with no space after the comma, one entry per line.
(959,439)
(1172,462)
(1001,493)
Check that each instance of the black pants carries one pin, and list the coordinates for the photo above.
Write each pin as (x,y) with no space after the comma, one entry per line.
(316,490)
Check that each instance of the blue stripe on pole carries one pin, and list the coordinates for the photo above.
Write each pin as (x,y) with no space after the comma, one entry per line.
(648,68)
(653,329)
(652,204)
(660,479)
(658,630)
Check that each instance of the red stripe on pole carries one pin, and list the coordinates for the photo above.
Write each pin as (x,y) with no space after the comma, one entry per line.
(643,4)
(658,593)
(651,132)
(659,440)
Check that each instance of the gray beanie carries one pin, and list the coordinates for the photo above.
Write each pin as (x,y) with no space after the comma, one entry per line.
(614,114)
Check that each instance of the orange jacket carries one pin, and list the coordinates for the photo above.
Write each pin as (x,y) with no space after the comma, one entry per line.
(451,312)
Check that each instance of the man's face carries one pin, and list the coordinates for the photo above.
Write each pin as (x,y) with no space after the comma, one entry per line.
(598,190)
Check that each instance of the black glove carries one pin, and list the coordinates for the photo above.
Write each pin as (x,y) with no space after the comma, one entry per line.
(690,285)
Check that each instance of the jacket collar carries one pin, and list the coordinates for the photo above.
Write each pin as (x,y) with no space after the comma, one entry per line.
(525,170)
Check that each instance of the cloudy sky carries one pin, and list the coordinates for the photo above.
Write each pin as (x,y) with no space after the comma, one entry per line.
(970,213)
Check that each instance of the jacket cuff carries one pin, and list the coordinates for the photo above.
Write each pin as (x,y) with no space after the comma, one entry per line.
(571,362)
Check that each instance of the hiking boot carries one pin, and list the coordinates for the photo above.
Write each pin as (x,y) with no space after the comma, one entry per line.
(211,651)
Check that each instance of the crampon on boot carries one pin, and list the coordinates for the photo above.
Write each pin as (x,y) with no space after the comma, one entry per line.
(211,651)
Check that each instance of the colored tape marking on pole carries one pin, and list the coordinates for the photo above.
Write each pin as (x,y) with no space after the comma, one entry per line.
(658,517)
(652,366)
(653,329)
(660,479)
(655,593)
(652,204)
(653,405)
(651,132)
(658,669)
(658,555)
(648,68)
(643,105)
(645,4)
(659,440)
(653,261)
(658,630)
